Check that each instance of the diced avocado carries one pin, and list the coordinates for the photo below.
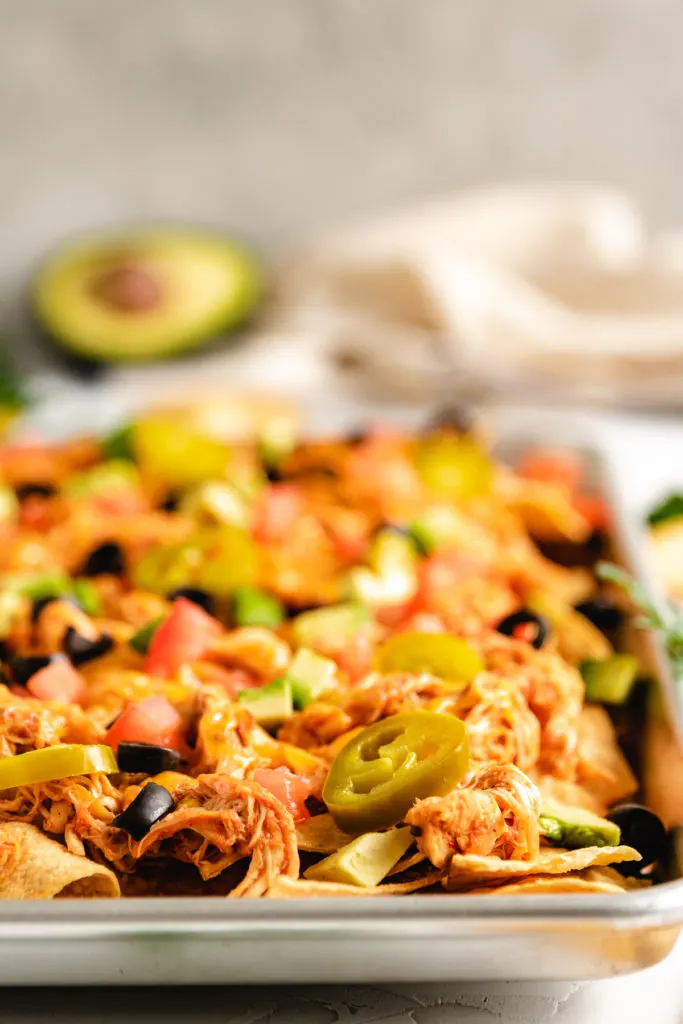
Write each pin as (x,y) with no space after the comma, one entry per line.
(86,594)
(392,574)
(217,502)
(365,861)
(436,528)
(573,827)
(119,444)
(338,623)
(107,478)
(9,504)
(271,705)
(610,680)
(255,607)
(146,293)
(310,675)
(142,639)
(53,583)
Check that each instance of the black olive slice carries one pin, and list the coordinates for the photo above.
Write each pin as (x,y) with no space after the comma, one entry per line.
(510,625)
(602,612)
(273,473)
(170,502)
(23,668)
(146,757)
(643,830)
(107,559)
(79,649)
(35,490)
(152,803)
(197,596)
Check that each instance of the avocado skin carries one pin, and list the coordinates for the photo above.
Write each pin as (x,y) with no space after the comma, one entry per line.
(223,319)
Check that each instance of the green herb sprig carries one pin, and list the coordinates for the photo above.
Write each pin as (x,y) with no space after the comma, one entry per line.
(665,617)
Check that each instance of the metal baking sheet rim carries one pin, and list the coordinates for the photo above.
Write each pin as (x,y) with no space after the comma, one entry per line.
(178,940)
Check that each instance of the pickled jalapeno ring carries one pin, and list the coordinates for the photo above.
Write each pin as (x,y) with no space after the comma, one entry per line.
(376,778)
(447,657)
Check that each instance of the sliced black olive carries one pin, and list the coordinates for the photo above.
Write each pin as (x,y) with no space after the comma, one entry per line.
(273,473)
(35,490)
(509,626)
(79,650)
(197,596)
(23,668)
(105,560)
(602,612)
(147,758)
(170,502)
(457,418)
(152,803)
(643,830)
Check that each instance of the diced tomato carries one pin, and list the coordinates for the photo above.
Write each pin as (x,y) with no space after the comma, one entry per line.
(57,681)
(153,720)
(552,468)
(290,789)
(276,510)
(348,531)
(182,637)
(594,509)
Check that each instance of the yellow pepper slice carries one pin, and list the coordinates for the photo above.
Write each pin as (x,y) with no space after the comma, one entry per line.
(58,762)
(177,452)
(447,657)
(377,776)
(454,467)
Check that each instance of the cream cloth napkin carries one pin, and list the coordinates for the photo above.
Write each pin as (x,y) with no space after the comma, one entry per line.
(539,292)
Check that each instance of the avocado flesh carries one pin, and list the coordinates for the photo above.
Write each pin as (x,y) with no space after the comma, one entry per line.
(573,827)
(207,285)
(271,705)
(364,861)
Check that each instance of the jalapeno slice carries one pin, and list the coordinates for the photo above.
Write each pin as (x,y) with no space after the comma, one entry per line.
(378,775)
(58,762)
(454,467)
(440,654)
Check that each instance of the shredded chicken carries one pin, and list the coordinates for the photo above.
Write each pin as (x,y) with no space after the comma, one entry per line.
(553,690)
(222,821)
(376,697)
(224,735)
(494,813)
(27,724)
(253,648)
(500,725)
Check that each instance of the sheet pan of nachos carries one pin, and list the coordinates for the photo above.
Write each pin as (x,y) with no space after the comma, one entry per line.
(240,663)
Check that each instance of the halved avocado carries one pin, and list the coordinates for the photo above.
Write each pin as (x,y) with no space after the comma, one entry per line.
(146,294)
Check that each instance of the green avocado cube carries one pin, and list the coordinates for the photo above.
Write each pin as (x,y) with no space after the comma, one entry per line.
(271,705)
(255,607)
(365,861)
(310,675)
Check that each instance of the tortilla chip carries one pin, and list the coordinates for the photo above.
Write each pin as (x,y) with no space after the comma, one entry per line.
(320,835)
(467,870)
(545,509)
(291,888)
(407,864)
(571,794)
(602,768)
(34,867)
(550,885)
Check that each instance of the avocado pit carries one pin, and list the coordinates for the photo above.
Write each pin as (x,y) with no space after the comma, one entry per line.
(128,288)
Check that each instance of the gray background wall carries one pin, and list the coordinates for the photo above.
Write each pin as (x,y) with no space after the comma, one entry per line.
(276,116)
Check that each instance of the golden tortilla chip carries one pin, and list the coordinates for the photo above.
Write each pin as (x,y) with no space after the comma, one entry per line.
(34,867)
(571,794)
(469,869)
(291,888)
(407,863)
(545,509)
(602,768)
(320,835)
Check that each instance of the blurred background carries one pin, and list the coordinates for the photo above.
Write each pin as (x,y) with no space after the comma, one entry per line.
(281,120)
